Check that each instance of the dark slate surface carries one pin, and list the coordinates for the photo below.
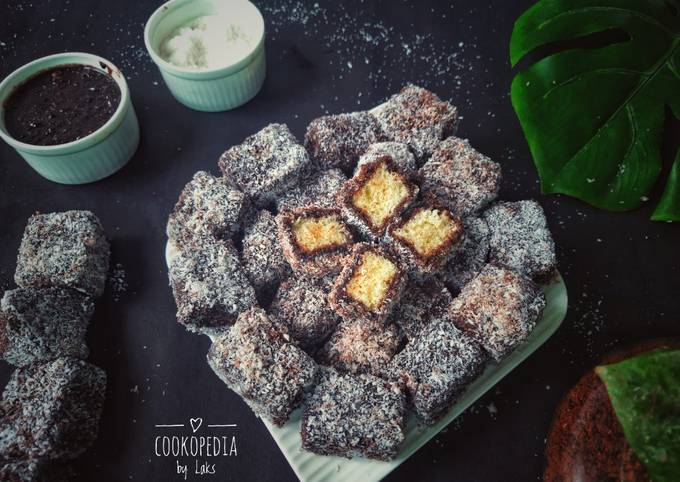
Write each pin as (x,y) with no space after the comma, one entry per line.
(621,269)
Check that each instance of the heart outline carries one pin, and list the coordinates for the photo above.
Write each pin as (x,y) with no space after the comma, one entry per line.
(195,423)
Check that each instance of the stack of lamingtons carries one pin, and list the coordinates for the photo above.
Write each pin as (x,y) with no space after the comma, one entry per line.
(395,277)
(50,408)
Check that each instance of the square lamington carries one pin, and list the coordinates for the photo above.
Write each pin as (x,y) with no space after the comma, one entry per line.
(266,164)
(436,367)
(354,415)
(498,308)
(418,118)
(255,359)
(208,206)
(426,237)
(461,178)
(339,140)
(51,410)
(359,347)
(301,305)
(369,285)
(470,257)
(315,240)
(520,239)
(209,284)
(319,189)
(66,249)
(375,196)
(423,302)
(262,254)
(43,324)
(399,154)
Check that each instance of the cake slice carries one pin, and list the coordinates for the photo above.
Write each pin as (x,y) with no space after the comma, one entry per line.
(498,308)
(418,118)
(375,196)
(315,240)
(399,153)
(369,285)
(262,255)
(426,237)
(266,164)
(256,359)
(353,415)
(320,189)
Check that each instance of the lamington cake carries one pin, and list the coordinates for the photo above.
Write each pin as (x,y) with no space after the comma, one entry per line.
(51,410)
(266,164)
(436,367)
(301,305)
(262,254)
(315,240)
(208,206)
(399,154)
(470,257)
(422,303)
(375,196)
(418,118)
(360,347)
(426,238)
(67,249)
(319,190)
(339,140)
(209,284)
(460,178)
(38,325)
(520,239)
(353,415)
(498,308)
(369,285)
(256,360)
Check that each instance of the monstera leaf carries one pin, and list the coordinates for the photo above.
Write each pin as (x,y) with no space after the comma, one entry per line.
(593,116)
(645,393)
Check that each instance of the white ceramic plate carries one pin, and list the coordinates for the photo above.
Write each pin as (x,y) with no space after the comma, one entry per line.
(315,468)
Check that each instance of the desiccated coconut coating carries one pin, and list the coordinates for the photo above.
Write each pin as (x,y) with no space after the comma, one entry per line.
(358,346)
(36,471)
(353,415)
(266,164)
(209,284)
(339,140)
(318,190)
(370,284)
(256,359)
(470,257)
(425,238)
(459,177)
(64,249)
(375,196)
(51,410)
(43,324)
(399,153)
(520,239)
(315,240)
(418,118)
(498,308)
(301,305)
(421,303)
(207,206)
(262,255)
(435,367)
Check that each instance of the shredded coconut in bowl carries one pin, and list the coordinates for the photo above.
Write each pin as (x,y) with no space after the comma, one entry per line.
(206,43)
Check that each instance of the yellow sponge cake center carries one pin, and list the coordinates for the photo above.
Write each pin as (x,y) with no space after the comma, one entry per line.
(371,279)
(317,233)
(427,230)
(380,195)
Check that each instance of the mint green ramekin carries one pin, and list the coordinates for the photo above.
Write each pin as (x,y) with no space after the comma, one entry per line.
(216,89)
(96,155)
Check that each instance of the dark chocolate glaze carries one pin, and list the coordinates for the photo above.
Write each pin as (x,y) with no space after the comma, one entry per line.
(586,441)
(61,105)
